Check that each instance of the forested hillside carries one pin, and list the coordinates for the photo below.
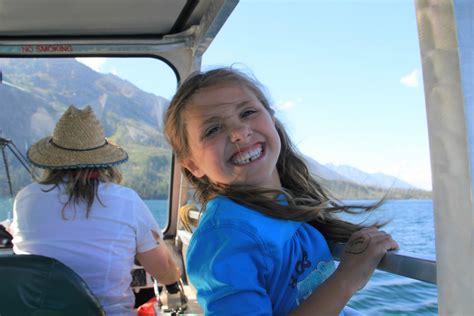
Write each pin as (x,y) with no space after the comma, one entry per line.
(35,92)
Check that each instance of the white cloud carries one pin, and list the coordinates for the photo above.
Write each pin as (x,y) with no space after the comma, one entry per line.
(286,105)
(411,80)
(95,63)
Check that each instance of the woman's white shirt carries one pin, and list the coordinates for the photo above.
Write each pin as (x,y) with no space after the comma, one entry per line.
(100,248)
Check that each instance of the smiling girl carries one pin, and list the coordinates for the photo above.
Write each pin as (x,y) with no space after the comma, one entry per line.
(260,247)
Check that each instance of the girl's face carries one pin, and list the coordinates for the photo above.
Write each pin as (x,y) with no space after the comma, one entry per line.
(232,137)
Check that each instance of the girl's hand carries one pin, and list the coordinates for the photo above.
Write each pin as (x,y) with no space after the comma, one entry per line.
(362,254)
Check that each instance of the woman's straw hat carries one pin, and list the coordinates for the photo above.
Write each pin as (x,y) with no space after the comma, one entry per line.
(78,142)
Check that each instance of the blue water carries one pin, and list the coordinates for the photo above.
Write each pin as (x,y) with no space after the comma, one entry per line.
(385,294)
(159,209)
(412,226)
(6,207)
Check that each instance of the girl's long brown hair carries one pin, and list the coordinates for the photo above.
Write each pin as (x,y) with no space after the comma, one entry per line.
(80,184)
(307,200)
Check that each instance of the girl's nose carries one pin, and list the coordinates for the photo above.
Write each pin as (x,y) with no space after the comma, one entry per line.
(240,134)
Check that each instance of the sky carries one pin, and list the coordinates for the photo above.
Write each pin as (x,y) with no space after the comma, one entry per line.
(344,77)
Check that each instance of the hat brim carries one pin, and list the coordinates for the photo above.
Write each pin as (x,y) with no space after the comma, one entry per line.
(44,154)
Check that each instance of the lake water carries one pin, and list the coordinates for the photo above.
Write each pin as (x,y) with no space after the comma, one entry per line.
(412,226)
(385,294)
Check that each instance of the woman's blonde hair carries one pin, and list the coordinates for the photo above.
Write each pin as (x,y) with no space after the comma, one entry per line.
(81,185)
(307,200)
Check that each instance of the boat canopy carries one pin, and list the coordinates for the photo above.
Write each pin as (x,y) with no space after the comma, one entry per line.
(70,18)
(180,29)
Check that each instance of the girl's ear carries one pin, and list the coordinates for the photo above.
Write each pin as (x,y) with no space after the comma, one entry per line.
(192,167)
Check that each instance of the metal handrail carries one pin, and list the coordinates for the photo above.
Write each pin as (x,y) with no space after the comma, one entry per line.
(410,265)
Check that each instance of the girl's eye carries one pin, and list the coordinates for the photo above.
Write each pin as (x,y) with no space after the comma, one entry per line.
(211,131)
(248,112)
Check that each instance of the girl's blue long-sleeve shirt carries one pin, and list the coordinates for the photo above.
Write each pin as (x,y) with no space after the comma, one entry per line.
(243,262)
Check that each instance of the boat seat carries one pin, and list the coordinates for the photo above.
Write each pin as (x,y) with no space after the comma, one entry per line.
(42,286)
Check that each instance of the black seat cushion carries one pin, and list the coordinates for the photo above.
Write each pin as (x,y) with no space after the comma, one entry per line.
(42,286)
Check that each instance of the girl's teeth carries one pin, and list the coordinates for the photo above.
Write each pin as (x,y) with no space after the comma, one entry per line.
(243,158)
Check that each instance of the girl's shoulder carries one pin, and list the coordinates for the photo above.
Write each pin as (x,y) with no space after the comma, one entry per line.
(222,209)
(230,227)
(223,212)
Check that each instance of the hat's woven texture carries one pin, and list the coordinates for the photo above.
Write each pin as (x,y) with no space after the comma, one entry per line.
(78,142)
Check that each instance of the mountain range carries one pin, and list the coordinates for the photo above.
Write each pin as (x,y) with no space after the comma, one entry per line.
(371,179)
(35,92)
(346,182)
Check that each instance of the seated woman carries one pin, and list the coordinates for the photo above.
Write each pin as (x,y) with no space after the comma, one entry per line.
(79,214)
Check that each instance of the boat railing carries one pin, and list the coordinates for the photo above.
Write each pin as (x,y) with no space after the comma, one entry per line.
(410,265)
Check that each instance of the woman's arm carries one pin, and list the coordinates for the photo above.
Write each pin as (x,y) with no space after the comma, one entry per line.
(159,263)
(363,252)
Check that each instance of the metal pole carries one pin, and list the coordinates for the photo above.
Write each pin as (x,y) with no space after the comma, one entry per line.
(447,53)
(5,162)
